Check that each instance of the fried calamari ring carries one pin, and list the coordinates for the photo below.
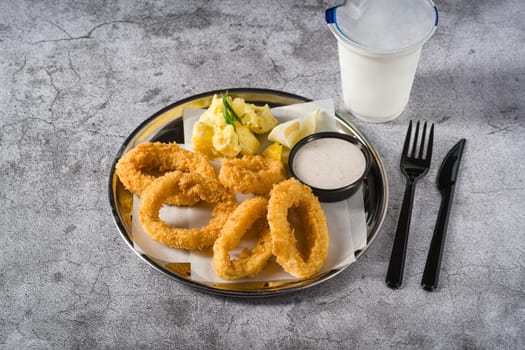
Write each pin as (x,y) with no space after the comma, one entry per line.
(138,168)
(252,174)
(207,189)
(249,263)
(292,194)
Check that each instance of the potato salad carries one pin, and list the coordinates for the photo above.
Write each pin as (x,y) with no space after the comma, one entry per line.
(229,127)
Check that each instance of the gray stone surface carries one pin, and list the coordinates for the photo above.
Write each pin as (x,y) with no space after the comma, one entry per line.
(79,76)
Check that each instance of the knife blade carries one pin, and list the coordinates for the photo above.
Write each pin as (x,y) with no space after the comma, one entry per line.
(446,183)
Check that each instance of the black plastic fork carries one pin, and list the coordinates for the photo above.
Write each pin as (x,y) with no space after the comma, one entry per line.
(414,167)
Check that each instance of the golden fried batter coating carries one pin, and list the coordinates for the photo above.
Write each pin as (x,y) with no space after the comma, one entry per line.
(285,195)
(138,168)
(252,174)
(194,185)
(250,263)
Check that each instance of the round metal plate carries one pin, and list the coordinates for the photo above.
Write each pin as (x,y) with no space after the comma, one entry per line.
(166,126)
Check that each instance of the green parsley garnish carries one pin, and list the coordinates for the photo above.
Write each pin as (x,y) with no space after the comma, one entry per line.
(230,117)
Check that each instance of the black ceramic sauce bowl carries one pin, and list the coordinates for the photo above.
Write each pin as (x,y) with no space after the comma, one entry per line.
(336,194)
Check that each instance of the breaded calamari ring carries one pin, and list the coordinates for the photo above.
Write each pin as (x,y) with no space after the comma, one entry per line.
(250,262)
(252,174)
(207,189)
(285,195)
(138,168)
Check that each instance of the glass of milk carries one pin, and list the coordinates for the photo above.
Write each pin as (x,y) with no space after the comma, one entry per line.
(379,44)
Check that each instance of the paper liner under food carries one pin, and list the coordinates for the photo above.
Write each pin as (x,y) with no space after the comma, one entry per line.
(346,219)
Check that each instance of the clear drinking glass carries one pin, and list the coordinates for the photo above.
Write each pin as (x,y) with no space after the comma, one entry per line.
(379,45)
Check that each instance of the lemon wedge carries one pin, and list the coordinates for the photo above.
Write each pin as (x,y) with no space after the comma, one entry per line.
(273,151)
(290,132)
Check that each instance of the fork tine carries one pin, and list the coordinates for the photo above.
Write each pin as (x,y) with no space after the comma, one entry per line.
(422,141)
(407,140)
(414,146)
(430,142)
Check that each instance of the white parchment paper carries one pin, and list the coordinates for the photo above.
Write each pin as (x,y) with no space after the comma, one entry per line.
(346,219)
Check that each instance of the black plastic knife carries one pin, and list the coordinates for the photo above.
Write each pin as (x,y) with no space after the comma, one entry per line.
(446,182)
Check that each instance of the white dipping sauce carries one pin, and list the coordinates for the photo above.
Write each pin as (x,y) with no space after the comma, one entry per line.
(329,163)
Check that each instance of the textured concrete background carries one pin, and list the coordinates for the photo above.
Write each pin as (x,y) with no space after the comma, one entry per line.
(78,76)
